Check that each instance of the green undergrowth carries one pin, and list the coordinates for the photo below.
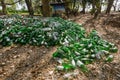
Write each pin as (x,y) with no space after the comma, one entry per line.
(76,48)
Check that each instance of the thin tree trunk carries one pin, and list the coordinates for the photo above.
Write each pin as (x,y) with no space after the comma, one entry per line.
(46,8)
(67,9)
(74,3)
(98,9)
(109,6)
(29,6)
(84,6)
(4,10)
(115,5)
(93,8)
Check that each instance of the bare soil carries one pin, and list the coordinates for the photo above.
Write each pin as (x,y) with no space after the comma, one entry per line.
(25,62)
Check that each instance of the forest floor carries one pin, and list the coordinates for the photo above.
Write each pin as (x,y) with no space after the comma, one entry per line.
(24,62)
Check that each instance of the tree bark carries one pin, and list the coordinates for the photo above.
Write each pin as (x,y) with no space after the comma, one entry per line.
(109,6)
(4,10)
(98,8)
(13,2)
(74,4)
(115,5)
(93,9)
(84,6)
(46,8)
(67,9)
(29,6)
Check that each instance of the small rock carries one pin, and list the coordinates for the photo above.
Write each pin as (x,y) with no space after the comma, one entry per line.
(30,51)
(12,66)
(67,75)
(3,63)
(1,70)
(1,75)
(118,75)
(0,54)
(4,73)
(50,72)
(16,56)
(75,73)
(44,51)
(15,52)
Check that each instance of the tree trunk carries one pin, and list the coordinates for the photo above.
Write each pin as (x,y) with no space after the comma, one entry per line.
(67,9)
(4,10)
(109,6)
(84,6)
(98,9)
(74,4)
(29,6)
(93,8)
(46,8)
(115,5)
